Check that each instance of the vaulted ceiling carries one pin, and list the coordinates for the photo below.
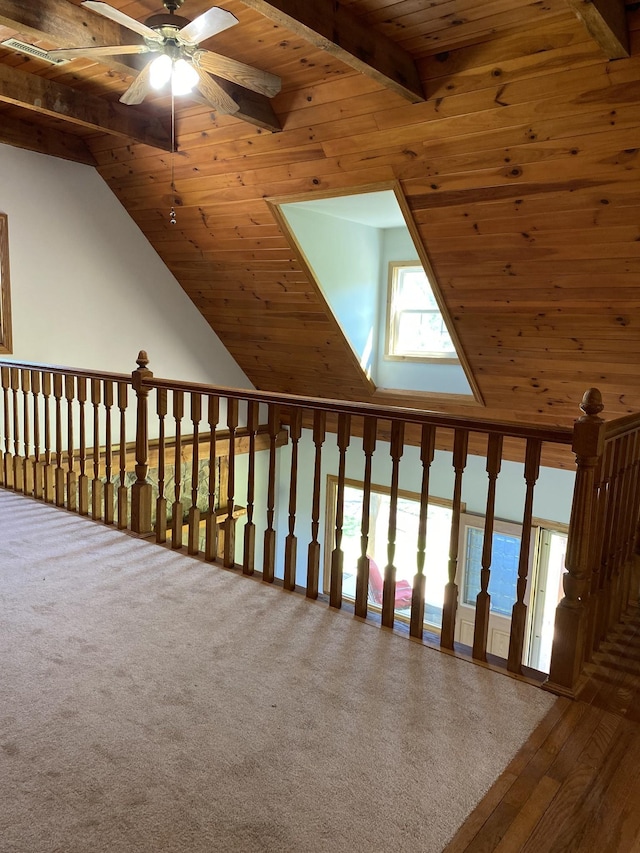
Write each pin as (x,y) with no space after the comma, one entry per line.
(512,128)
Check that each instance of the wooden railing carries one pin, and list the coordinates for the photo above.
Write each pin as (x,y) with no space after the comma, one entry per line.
(195,474)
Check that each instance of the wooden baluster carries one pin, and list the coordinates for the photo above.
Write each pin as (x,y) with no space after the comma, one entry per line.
(460,448)
(567,654)
(108,453)
(27,470)
(337,555)
(223,489)
(141,491)
(595,593)
(604,543)
(38,475)
(211,527)
(634,590)
(519,611)
(248,559)
(96,483)
(161,501)
(59,472)
(5,433)
(621,551)
(629,524)
(483,599)
(123,495)
(83,480)
(369,437)
(427,452)
(389,587)
(48,468)
(269,562)
(7,459)
(616,502)
(230,521)
(631,585)
(18,460)
(177,510)
(291,542)
(193,544)
(621,522)
(69,388)
(313,557)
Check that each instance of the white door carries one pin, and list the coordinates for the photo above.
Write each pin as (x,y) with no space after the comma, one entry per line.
(502,584)
(546,595)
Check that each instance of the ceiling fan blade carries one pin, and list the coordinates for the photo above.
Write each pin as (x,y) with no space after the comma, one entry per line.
(215,94)
(139,89)
(120,18)
(90,52)
(206,25)
(237,72)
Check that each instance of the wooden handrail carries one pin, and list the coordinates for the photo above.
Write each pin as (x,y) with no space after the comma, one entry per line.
(169,473)
(75,371)
(559,435)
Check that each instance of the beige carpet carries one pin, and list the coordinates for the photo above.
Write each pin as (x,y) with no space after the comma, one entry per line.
(152,702)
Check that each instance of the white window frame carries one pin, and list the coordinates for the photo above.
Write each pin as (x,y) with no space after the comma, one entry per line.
(396,269)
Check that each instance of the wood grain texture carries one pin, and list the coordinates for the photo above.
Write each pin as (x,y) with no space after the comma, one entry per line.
(521,170)
(575,785)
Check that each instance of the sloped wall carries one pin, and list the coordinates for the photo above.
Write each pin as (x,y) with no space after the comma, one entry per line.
(87,288)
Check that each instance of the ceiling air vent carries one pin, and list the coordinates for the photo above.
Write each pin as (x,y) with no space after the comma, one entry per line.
(31,50)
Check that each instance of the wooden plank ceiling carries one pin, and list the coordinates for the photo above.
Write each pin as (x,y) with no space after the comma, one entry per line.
(520,160)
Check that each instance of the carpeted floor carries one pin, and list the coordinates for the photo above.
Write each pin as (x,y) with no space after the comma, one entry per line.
(152,702)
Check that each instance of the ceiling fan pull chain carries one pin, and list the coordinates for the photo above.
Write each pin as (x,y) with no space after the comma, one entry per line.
(172,212)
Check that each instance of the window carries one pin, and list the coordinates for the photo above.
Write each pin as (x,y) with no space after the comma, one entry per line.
(407,518)
(505,555)
(415,326)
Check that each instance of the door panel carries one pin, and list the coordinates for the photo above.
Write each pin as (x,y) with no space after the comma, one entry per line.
(502,583)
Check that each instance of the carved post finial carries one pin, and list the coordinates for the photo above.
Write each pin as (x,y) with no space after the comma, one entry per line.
(592,403)
(143,359)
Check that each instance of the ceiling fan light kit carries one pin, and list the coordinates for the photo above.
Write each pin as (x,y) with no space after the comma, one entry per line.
(182,75)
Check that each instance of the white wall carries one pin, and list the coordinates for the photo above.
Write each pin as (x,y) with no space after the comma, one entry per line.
(87,288)
(345,257)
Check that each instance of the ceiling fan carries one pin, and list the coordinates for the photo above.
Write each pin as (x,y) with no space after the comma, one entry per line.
(175,41)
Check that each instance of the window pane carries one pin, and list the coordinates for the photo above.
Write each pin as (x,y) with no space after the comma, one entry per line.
(422,332)
(405,560)
(417,327)
(414,290)
(504,570)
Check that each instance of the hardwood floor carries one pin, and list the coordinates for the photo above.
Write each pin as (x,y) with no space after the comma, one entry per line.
(575,785)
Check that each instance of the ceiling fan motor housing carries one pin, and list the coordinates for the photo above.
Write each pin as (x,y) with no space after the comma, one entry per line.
(176,22)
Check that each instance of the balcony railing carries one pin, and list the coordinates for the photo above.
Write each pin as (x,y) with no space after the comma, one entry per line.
(239,477)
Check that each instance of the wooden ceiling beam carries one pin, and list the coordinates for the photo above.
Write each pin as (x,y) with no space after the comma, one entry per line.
(606,23)
(331,27)
(23,134)
(66,25)
(38,94)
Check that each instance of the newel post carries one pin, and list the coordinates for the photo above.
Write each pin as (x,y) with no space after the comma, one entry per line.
(141,489)
(571,623)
